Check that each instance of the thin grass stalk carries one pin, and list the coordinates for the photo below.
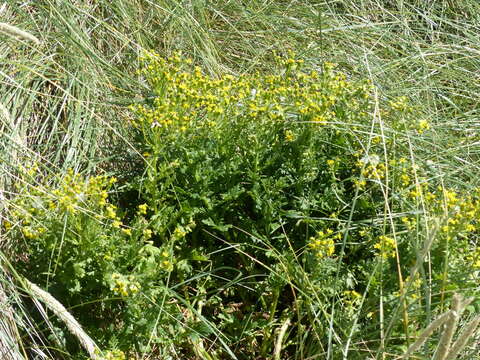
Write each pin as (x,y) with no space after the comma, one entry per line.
(450,326)
(4,115)
(426,333)
(423,253)
(16,32)
(62,313)
(463,338)
(279,343)
(9,336)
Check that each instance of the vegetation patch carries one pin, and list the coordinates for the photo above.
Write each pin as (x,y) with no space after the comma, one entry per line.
(230,201)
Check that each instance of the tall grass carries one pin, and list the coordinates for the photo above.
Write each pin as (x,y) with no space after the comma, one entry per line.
(68,72)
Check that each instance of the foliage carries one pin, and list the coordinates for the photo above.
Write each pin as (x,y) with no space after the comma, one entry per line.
(295,211)
(261,198)
(238,169)
(248,169)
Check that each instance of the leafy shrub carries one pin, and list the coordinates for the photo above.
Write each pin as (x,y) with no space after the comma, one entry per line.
(72,242)
(242,172)
(263,201)
(276,178)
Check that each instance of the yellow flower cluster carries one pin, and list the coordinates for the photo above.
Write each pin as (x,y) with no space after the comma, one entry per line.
(147,234)
(74,191)
(386,247)
(474,258)
(113,355)
(461,213)
(422,126)
(186,98)
(142,209)
(371,168)
(374,171)
(400,104)
(409,223)
(124,285)
(180,231)
(33,232)
(158,257)
(323,244)
(351,298)
(289,136)
(71,194)
(165,262)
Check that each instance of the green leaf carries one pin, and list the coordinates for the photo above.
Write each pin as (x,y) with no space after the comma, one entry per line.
(219,227)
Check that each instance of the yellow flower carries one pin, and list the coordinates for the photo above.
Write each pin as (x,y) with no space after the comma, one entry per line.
(179,233)
(405,179)
(111,214)
(116,224)
(323,243)
(360,183)
(147,234)
(422,126)
(28,233)
(289,137)
(351,296)
(142,209)
(386,247)
(470,228)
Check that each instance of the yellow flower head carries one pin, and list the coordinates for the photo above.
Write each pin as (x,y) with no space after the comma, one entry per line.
(386,247)
(142,209)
